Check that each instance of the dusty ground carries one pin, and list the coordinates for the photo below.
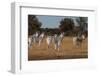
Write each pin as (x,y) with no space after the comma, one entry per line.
(68,51)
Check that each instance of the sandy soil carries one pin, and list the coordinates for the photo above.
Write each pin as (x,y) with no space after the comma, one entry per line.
(67,51)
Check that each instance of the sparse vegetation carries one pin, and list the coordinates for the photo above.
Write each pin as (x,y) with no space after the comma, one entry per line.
(68,51)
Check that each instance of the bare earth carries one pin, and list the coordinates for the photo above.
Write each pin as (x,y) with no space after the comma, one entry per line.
(67,51)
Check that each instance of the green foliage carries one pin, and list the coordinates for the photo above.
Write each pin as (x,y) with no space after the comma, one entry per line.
(66,24)
(33,24)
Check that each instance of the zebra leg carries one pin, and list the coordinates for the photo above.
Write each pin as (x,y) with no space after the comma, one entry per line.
(80,44)
(39,42)
(55,46)
(77,45)
(48,46)
(59,46)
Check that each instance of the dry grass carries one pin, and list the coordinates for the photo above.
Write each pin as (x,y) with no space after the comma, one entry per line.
(68,51)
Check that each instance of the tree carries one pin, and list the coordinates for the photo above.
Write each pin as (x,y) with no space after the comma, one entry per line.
(83,23)
(33,24)
(66,24)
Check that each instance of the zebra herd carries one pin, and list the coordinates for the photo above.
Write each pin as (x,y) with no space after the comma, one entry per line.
(35,38)
(56,39)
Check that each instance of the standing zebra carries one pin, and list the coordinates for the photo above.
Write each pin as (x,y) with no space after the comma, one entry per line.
(58,40)
(77,40)
(49,41)
(41,37)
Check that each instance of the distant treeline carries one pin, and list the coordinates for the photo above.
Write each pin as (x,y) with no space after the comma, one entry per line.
(67,25)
